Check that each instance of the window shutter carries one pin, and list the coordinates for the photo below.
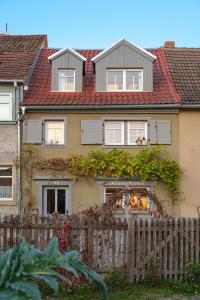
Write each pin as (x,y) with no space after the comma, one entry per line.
(153,132)
(91,132)
(164,132)
(32,132)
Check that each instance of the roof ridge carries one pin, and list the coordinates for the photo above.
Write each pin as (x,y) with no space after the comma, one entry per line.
(166,70)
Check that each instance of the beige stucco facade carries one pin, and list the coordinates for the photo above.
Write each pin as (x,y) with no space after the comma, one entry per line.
(189,152)
(8,151)
(86,192)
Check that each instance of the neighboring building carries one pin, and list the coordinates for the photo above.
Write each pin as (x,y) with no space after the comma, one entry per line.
(91,99)
(18,54)
(184,66)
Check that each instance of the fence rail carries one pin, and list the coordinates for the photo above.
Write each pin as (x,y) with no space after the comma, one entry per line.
(143,245)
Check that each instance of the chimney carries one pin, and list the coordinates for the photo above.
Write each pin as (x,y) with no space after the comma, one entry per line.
(169,44)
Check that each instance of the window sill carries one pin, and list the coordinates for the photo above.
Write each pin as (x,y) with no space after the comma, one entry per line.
(8,122)
(126,146)
(53,146)
(7,202)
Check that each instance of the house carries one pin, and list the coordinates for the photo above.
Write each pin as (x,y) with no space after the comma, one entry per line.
(83,100)
(18,54)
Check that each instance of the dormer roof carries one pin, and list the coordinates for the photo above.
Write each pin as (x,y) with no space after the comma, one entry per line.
(64,50)
(122,41)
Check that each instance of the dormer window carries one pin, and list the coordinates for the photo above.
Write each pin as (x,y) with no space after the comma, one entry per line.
(124,80)
(66,80)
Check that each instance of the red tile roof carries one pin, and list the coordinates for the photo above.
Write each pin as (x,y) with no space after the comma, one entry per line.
(40,94)
(17,53)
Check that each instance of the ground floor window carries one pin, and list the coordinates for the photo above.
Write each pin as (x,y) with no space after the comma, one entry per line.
(134,198)
(56,200)
(6,183)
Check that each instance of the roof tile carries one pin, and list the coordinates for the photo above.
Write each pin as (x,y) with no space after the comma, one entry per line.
(39,92)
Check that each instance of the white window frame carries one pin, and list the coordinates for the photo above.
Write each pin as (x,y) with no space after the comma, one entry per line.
(124,80)
(46,132)
(9,102)
(66,188)
(122,133)
(3,167)
(128,131)
(59,85)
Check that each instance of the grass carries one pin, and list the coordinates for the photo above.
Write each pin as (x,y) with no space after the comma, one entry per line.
(120,289)
(136,292)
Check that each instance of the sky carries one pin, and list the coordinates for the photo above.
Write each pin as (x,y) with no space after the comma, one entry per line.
(98,24)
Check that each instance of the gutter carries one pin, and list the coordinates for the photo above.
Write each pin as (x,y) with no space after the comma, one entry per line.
(190,106)
(12,80)
(90,107)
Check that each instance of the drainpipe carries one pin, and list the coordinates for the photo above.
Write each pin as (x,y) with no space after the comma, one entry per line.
(20,116)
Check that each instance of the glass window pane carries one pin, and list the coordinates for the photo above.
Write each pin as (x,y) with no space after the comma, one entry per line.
(61,201)
(113,133)
(5,111)
(54,132)
(138,200)
(115,195)
(136,130)
(6,183)
(66,80)
(70,84)
(114,80)
(50,201)
(5,171)
(133,80)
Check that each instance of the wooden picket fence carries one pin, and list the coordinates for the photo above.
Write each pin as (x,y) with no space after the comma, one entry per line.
(101,246)
(163,246)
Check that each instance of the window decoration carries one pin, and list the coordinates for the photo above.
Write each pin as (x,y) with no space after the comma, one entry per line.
(124,80)
(54,132)
(137,133)
(135,199)
(66,80)
(6,183)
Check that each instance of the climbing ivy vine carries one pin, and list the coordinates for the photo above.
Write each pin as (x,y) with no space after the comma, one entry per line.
(150,163)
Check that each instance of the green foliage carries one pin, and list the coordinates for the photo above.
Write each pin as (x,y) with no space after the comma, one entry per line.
(117,280)
(150,163)
(22,267)
(192,275)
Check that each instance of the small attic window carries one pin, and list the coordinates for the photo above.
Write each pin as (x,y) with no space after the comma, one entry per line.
(66,80)
(124,80)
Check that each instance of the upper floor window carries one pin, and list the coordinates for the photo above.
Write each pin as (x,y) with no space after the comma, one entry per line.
(5,183)
(126,133)
(5,106)
(66,80)
(54,132)
(114,133)
(124,80)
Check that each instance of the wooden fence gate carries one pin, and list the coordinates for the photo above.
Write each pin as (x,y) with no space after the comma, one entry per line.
(163,246)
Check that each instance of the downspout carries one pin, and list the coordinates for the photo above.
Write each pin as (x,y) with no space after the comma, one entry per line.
(20,116)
